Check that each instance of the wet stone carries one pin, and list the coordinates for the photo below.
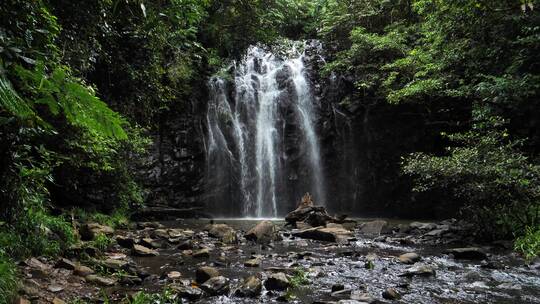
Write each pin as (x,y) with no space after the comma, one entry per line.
(201,253)
(252,263)
(65,264)
(99,280)
(277,281)
(391,294)
(251,287)
(409,258)
(419,270)
(470,253)
(216,286)
(140,250)
(83,271)
(188,292)
(205,273)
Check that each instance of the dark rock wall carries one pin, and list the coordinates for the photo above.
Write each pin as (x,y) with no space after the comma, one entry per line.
(363,140)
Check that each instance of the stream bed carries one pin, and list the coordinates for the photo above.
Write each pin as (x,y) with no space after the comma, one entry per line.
(364,267)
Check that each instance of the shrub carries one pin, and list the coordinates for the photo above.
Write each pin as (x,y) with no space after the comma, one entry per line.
(498,185)
(529,243)
(8,279)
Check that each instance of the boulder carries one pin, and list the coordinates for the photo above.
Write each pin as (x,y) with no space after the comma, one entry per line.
(262,232)
(124,241)
(251,287)
(324,234)
(83,271)
(470,253)
(391,294)
(252,263)
(223,232)
(140,250)
(374,228)
(185,245)
(114,265)
(150,243)
(99,280)
(205,273)
(201,253)
(419,270)
(409,258)
(65,264)
(90,230)
(216,286)
(277,281)
(188,292)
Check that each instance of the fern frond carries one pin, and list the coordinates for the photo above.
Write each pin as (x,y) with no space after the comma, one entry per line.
(11,102)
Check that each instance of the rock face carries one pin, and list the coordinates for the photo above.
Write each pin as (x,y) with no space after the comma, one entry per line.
(277,281)
(324,234)
(470,253)
(216,286)
(251,287)
(264,231)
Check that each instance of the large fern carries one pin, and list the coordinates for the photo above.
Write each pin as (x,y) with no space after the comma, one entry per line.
(11,102)
(62,93)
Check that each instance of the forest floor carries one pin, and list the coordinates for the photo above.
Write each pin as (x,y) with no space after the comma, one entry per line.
(363,262)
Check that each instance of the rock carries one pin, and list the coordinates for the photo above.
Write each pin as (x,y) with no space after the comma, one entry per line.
(83,271)
(222,231)
(470,253)
(125,241)
(161,233)
(422,226)
(150,243)
(154,225)
(65,264)
(185,245)
(36,264)
(264,231)
(324,234)
(374,228)
(362,296)
(342,294)
(277,281)
(201,253)
(55,288)
(114,265)
(419,270)
(130,280)
(391,294)
(173,275)
(99,280)
(144,251)
(188,292)
(216,286)
(409,258)
(251,287)
(21,300)
(90,230)
(58,301)
(337,287)
(205,273)
(252,263)
(350,302)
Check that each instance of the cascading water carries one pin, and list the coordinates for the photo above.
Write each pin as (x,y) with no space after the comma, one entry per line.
(251,123)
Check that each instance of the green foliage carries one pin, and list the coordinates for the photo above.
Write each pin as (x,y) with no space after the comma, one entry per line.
(529,243)
(498,184)
(299,278)
(102,242)
(167,296)
(8,279)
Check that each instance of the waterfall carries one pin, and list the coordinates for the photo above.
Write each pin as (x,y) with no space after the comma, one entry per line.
(256,122)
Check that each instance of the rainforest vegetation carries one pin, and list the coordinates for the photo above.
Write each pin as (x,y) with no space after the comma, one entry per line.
(85,84)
